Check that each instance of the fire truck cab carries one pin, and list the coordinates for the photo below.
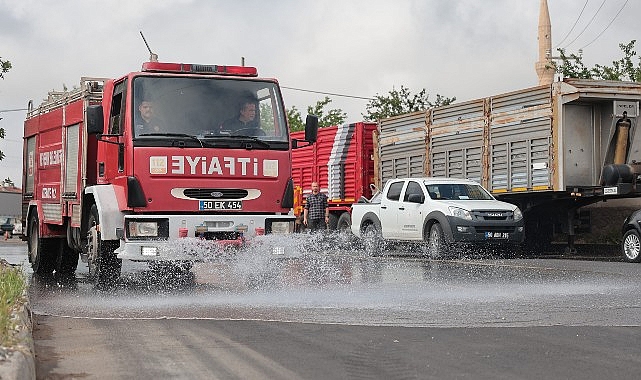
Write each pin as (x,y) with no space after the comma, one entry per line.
(140,166)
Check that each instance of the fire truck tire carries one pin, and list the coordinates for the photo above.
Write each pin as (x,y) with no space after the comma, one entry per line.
(67,261)
(104,266)
(41,251)
(333,222)
(344,222)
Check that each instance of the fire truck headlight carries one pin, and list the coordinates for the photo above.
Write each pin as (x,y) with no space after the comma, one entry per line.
(284,227)
(143,229)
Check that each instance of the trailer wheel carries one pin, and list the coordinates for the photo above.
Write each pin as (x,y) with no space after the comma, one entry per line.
(344,222)
(435,241)
(333,222)
(41,251)
(631,246)
(104,266)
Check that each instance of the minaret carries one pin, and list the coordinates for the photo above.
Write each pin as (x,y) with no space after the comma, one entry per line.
(544,68)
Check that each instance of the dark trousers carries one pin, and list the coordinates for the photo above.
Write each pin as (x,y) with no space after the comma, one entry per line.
(316,224)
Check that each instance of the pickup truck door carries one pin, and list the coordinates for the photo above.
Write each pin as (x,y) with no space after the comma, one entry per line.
(410,214)
(390,205)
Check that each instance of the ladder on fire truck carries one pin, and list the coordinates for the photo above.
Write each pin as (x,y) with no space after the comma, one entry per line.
(90,89)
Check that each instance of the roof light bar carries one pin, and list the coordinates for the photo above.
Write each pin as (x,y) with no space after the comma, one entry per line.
(189,68)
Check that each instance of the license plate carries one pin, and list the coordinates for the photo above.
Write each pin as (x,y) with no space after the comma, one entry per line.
(220,205)
(497,235)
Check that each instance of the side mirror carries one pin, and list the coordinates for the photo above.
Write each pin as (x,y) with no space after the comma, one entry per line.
(311,128)
(95,122)
(416,198)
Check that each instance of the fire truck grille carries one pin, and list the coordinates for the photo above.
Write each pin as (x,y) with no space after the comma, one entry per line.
(215,193)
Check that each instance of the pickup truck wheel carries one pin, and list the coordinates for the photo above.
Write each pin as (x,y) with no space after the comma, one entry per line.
(104,266)
(631,246)
(373,239)
(436,241)
(41,251)
(345,222)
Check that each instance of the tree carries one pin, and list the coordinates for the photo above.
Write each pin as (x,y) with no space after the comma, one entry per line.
(402,101)
(4,67)
(325,118)
(624,69)
(295,119)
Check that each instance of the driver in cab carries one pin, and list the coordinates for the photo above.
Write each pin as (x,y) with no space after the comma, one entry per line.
(147,121)
(245,123)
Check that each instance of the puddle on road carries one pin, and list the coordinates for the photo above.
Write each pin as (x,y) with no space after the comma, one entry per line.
(315,278)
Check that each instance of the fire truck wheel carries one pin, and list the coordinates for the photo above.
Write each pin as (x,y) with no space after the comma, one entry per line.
(333,222)
(41,251)
(67,261)
(104,266)
(344,222)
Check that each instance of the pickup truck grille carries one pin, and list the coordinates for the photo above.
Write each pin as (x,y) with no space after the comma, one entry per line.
(492,215)
(215,193)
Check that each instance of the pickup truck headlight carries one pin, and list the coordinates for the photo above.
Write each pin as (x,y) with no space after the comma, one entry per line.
(460,213)
(518,215)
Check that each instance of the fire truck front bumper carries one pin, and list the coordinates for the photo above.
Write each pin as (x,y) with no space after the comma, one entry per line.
(193,238)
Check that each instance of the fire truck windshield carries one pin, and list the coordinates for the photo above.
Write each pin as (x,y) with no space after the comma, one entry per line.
(207,109)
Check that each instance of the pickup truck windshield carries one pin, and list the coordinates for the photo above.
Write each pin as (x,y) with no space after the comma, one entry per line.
(207,108)
(457,191)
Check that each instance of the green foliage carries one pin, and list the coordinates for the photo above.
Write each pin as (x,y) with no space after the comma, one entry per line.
(402,101)
(295,120)
(624,69)
(266,117)
(12,287)
(4,67)
(325,118)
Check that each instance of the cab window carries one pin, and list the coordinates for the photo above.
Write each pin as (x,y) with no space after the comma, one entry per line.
(394,191)
(412,188)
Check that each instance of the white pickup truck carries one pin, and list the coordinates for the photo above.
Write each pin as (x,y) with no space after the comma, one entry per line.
(439,212)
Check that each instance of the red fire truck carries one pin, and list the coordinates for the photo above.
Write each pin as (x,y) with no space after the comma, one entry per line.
(341,161)
(99,184)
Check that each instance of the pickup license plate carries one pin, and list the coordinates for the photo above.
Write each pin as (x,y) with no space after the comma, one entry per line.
(497,235)
(220,205)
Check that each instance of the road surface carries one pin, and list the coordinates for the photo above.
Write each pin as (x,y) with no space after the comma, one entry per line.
(333,313)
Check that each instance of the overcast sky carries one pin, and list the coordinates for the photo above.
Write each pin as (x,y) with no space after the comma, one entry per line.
(457,48)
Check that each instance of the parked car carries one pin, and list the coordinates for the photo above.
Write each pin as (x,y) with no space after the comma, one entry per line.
(11,225)
(631,242)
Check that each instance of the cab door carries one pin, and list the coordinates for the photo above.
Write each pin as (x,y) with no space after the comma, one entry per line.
(390,206)
(410,214)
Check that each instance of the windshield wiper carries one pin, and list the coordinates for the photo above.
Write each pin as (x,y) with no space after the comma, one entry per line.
(239,137)
(191,137)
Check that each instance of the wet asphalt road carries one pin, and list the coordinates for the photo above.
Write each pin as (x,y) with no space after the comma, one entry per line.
(333,312)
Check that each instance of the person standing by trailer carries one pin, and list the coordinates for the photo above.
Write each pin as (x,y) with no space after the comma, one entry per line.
(316,212)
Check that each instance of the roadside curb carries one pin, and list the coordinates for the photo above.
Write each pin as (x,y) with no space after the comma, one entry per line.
(18,362)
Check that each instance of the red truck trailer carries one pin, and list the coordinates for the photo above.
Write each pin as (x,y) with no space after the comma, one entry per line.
(95,185)
(342,163)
